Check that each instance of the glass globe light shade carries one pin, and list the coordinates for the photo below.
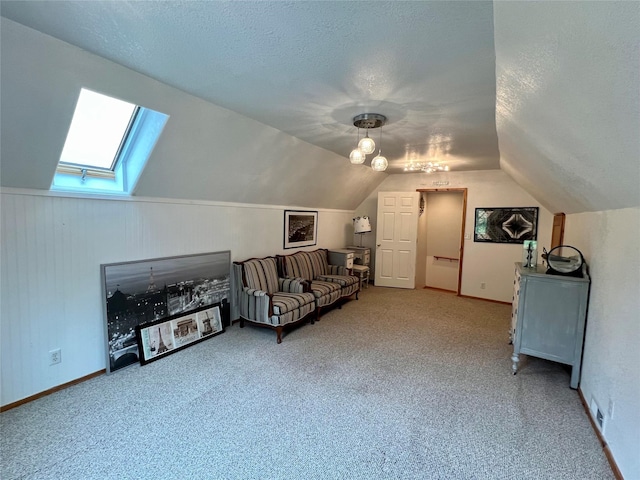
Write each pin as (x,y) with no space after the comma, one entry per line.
(367,145)
(356,156)
(379,163)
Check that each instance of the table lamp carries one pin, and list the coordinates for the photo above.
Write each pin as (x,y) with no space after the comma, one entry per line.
(361,225)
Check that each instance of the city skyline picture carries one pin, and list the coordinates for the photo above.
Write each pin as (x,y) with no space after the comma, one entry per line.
(141,292)
(134,277)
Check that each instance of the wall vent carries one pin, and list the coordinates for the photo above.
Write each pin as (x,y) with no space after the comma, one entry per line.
(597,414)
(600,419)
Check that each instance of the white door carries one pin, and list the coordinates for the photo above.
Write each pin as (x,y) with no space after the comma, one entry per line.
(396,239)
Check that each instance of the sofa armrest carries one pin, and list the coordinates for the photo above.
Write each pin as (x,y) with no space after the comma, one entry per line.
(338,270)
(256,305)
(254,292)
(293,285)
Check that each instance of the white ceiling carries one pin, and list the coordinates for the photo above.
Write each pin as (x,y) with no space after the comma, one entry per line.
(307,68)
(261,95)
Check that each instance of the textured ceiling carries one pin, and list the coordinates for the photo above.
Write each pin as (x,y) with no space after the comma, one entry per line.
(568,101)
(307,68)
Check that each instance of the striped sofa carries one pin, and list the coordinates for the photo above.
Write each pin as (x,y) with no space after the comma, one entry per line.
(328,283)
(268,300)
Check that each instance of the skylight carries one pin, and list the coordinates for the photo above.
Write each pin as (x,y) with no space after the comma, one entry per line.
(98,129)
(107,146)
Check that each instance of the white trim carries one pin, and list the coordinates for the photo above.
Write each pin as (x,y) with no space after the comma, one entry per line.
(124,197)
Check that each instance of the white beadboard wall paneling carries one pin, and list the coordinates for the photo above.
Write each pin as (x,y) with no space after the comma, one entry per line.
(52,248)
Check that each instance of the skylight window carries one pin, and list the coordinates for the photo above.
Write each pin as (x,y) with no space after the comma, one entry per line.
(107,146)
(98,130)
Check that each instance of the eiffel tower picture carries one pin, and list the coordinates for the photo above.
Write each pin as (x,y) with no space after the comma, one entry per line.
(161,346)
(152,284)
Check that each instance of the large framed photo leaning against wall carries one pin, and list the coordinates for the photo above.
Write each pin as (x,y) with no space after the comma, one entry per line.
(141,293)
(506,225)
(300,228)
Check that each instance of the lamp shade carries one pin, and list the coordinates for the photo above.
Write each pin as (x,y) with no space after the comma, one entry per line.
(357,156)
(361,224)
(379,163)
(366,144)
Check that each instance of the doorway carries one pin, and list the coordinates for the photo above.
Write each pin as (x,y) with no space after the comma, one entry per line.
(396,239)
(440,245)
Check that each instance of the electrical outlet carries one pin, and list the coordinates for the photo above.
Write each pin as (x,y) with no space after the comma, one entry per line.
(483,285)
(55,356)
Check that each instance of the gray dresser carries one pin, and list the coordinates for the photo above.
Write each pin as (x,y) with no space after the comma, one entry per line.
(548,317)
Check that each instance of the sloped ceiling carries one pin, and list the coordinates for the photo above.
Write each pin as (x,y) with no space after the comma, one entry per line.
(262,94)
(568,101)
(302,68)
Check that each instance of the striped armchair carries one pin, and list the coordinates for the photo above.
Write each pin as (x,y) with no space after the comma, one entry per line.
(268,300)
(327,282)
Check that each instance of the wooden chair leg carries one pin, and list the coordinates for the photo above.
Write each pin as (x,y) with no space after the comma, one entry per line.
(278,334)
(241,322)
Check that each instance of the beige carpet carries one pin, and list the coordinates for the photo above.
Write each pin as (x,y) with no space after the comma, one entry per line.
(397,385)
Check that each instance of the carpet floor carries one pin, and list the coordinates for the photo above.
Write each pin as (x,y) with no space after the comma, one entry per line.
(401,384)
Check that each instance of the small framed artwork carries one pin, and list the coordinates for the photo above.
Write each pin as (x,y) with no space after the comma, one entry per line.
(209,321)
(300,228)
(160,338)
(154,341)
(506,225)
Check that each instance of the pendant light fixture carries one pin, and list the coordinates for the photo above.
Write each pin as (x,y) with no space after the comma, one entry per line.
(357,156)
(379,163)
(366,145)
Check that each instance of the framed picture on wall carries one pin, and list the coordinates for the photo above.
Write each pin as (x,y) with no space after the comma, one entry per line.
(506,225)
(300,228)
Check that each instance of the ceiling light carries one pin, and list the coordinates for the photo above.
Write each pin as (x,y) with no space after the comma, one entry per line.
(379,163)
(366,145)
(426,167)
(357,156)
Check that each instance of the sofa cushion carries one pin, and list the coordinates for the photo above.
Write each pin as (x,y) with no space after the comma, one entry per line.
(287,302)
(320,288)
(325,292)
(290,307)
(319,262)
(298,265)
(261,274)
(342,280)
(307,265)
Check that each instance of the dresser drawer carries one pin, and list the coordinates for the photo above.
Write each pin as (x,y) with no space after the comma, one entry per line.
(343,258)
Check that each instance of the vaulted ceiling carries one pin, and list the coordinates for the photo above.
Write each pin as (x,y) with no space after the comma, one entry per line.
(271,89)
